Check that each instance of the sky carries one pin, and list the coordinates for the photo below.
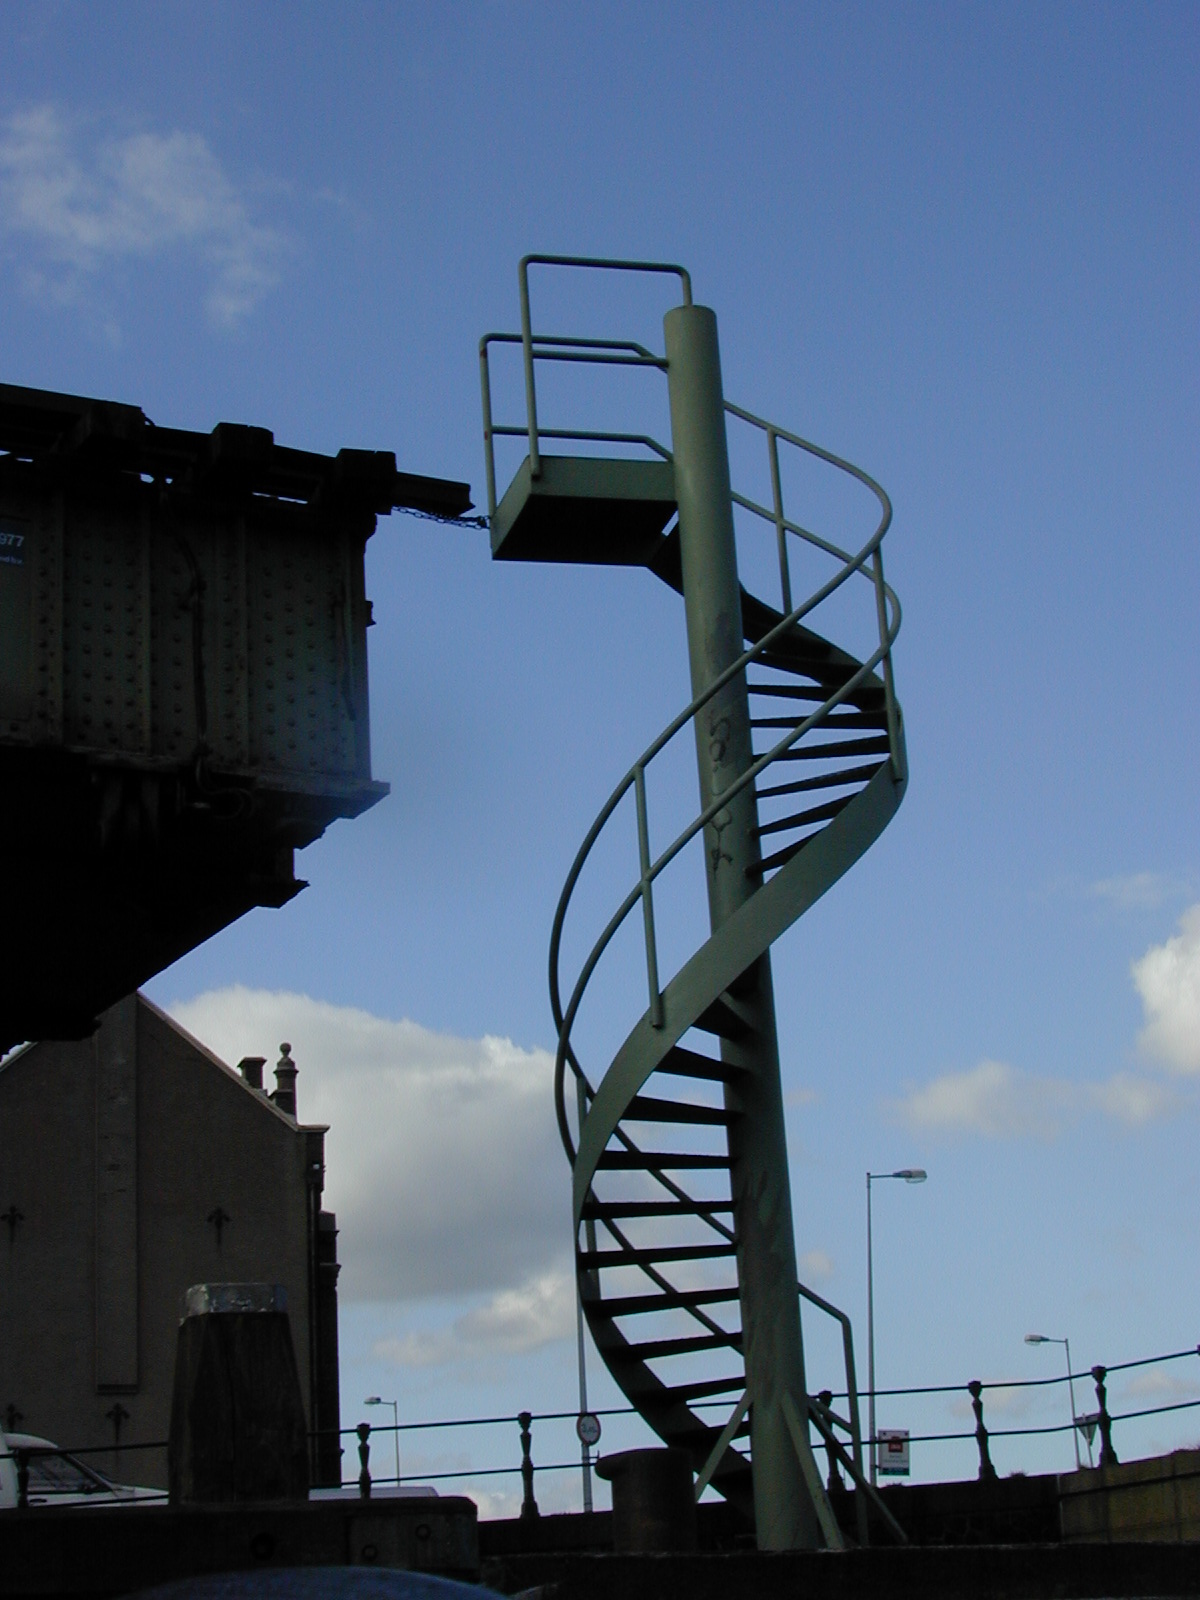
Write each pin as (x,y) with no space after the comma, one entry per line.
(956,244)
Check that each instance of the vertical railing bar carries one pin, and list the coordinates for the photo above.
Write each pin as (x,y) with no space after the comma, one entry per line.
(855,1427)
(643,826)
(535,458)
(489,445)
(785,577)
(889,687)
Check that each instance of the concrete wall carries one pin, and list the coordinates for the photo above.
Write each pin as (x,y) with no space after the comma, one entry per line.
(118,1157)
(1154,1501)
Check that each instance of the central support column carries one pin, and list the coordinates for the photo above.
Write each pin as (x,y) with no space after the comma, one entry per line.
(785,1515)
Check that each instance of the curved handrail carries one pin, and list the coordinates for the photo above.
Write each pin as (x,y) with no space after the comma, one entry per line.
(564,1019)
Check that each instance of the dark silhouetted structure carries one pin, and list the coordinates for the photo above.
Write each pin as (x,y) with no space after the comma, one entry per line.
(137,1165)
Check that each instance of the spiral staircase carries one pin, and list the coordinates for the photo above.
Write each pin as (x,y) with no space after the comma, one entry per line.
(649,1133)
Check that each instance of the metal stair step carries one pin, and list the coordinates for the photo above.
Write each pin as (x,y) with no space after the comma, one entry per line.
(780,858)
(843,747)
(866,699)
(667,1160)
(598,1210)
(646,1108)
(684,1063)
(693,1345)
(596,1260)
(835,719)
(637,1305)
(722,1019)
(701,1391)
(826,780)
(824,813)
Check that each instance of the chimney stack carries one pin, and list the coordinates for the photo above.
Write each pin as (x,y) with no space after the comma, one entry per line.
(251,1068)
(285,1081)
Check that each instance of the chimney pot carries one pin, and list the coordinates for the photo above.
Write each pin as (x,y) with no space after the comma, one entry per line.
(251,1068)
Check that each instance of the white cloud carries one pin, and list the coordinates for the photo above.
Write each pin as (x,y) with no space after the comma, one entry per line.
(999,1101)
(444,1163)
(1137,891)
(992,1098)
(1160,1388)
(815,1266)
(81,207)
(513,1322)
(1168,979)
(1009,1400)
(1131,1100)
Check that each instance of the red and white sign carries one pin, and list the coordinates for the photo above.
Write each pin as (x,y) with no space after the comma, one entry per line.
(891,1452)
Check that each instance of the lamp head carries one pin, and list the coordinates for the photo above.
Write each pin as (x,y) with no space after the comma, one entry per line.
(1036,1338)
(373,1400)
(911,1174)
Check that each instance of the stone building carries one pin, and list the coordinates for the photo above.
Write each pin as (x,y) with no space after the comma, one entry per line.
(132,1165)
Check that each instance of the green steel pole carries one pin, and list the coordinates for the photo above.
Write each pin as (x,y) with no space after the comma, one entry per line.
(785,1515)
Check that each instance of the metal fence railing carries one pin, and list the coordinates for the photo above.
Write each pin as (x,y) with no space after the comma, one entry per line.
(512,1439)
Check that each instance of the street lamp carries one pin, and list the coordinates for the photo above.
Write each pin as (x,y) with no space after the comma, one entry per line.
(909,1175)
(1045,1338)
(377,1400)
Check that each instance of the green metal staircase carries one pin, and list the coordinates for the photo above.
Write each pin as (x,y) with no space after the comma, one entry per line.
(653,1134)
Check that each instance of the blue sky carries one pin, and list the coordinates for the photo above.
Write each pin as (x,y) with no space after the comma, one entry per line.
(956,244)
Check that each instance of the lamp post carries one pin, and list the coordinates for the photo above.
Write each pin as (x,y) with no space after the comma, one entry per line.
(909,1175)
(1045,1338)
(377,1400)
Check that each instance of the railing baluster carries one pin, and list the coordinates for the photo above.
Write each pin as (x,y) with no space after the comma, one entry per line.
(987,1471)
(785,576)
(529,1506)
(535,456)
(1108,1456)
(364,1459)
(489,443)
(835,1481)
(656,1005)
(889,688)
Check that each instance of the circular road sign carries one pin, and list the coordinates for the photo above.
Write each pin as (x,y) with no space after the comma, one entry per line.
(588,1429)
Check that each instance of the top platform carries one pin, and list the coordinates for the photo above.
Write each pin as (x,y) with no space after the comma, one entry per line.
(602,511)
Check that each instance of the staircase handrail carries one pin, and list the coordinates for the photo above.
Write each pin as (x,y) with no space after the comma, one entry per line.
(634,777)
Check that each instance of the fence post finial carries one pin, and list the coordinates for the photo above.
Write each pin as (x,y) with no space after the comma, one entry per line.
(529,1507)
(987,1472)
(364,1459)
(1108,1456)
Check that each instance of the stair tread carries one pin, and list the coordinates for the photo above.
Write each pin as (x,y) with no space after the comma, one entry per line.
(693,1344)
(835,719)
(684,1063)
(637,1305)
(593,1260)
(824,780)
(668,1160)
(722,1019)
(780,858)
(648,1108)
(841,747)
(699,1391)
(821,813)
(865,699)
(597,1210)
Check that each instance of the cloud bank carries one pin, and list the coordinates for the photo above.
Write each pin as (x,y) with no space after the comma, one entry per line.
(999,1101)
(444,1163)
(81,205)
(1137,891)
(514,1322)
(1168,980)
